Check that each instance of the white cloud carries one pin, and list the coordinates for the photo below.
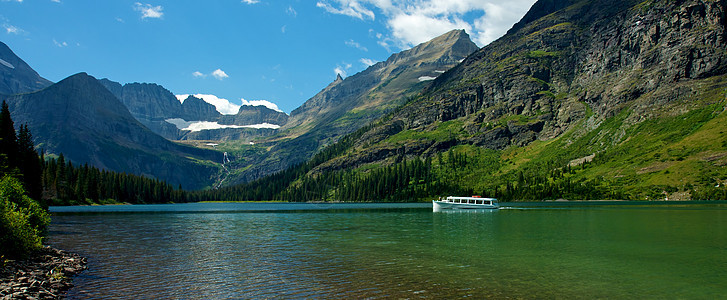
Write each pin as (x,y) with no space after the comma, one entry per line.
(149,11)
(414,29)
(219,74)
(354,44)
(226,107)
(250,1)
(265,103)
(60,44)
(411,22)
(10,29)
(367,61)
(291,11)
(348,7)
(56,1)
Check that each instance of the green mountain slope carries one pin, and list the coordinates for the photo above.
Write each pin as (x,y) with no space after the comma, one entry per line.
(348,104)
(580,100)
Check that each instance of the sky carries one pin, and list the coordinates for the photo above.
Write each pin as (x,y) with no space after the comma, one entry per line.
(243,51)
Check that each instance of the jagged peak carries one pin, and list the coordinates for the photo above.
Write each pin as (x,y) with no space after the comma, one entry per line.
(445,40)
(452,35)
(81,77)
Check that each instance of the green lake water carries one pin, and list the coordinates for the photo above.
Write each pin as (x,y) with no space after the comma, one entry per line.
(279,250)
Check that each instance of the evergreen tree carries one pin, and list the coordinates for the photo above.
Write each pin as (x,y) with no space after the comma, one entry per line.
(8,139)
(30,164)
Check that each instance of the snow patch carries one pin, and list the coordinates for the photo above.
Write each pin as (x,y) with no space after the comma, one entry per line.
(195,126)
(426,78)
(439,71)
(180,123)
(7,64)
(262,126)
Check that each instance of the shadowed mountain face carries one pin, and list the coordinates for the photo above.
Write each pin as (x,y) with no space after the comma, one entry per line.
(348,104)
(81,119)
(16,76)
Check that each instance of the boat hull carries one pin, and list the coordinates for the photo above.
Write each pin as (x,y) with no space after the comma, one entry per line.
(439,205)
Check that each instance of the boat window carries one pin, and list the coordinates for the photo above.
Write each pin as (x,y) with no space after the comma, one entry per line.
(479,202)
(472,201)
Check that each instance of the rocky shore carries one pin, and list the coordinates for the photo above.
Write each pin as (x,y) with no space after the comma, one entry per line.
(46,274)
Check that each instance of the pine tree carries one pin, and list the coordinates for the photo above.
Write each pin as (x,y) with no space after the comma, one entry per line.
(8,139)
(30,165)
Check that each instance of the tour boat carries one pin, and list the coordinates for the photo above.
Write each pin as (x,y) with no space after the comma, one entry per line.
(473,202)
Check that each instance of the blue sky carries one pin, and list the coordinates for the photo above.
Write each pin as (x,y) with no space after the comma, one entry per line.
(281,51)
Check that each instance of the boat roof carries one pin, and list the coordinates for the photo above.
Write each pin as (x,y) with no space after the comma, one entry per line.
(477,198)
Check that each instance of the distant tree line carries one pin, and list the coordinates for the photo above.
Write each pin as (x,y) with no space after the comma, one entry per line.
(57,181)
(66,184)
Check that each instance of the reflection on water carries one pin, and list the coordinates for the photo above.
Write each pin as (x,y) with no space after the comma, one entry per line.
(398,252)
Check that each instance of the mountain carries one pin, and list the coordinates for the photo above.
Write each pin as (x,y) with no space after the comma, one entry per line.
(251,115)
(194,108)
(16,76)
(581,99)
(351,103)
(153,105)
(84,121)
(150,104)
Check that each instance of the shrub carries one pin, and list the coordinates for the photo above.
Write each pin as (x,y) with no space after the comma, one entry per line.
(23,221)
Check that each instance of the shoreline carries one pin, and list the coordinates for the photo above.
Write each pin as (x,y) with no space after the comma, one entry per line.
(46,274)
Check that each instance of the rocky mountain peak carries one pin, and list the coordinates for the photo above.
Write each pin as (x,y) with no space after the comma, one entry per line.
(446,48)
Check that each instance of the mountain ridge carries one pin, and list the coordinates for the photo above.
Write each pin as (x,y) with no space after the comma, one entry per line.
(153,105)
(84,121)
(16,76)
(348,104)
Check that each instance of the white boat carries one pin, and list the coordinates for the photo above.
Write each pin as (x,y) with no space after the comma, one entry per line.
(474,202)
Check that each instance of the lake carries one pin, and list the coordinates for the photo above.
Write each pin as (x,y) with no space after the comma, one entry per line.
(285,250)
